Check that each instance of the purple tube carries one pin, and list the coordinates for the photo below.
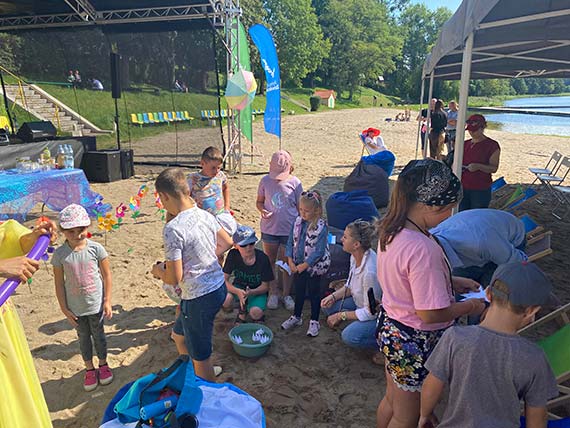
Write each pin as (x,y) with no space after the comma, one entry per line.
(37,251)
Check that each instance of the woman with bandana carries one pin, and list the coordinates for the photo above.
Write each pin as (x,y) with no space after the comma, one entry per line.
(418,301)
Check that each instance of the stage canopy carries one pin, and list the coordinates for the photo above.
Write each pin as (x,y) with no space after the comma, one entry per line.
(512,38)
(20,15)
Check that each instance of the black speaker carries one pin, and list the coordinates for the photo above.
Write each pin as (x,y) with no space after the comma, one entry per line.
(115,75)
(103,167)
(127,165)
(36,131)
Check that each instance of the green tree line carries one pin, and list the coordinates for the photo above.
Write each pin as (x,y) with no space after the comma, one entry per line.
(338,44)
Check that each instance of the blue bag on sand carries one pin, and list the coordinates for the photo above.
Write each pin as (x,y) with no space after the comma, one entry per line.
(345,207)
(179,377)
(384,159)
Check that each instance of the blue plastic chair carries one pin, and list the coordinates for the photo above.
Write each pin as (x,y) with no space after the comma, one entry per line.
(145,118)
(203,114)
(161,117)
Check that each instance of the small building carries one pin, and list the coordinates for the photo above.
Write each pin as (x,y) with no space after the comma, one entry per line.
(327,96)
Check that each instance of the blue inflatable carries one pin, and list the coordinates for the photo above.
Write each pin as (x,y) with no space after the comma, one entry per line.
(345,207)
(384,159)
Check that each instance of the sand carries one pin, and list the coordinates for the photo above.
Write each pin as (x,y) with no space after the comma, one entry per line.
(302,381)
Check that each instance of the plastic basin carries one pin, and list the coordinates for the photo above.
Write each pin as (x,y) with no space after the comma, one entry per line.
(250,348)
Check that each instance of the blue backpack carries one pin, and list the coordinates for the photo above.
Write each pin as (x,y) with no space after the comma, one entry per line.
(144,392)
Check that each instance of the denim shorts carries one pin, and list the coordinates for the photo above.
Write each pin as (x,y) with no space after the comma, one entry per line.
(274,239)
(196,322)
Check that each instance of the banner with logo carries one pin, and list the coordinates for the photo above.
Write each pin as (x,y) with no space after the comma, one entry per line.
(264,42)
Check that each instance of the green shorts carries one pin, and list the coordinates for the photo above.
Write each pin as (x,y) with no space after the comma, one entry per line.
(257,301)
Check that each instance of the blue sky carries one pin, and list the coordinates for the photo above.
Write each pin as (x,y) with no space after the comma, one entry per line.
(434,4)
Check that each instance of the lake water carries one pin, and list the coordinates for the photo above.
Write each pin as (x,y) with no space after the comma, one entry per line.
(533,124)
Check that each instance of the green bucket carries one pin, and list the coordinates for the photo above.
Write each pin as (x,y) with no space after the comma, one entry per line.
(249,347)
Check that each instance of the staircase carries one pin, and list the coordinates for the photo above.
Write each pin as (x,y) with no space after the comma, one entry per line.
(42,105)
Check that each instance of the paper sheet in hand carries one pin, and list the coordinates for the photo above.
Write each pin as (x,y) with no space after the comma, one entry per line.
(475,295)
(284,266)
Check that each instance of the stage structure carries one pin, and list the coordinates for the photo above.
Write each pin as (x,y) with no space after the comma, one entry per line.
(220,15)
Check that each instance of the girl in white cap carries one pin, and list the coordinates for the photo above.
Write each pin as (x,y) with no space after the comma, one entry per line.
(83,289)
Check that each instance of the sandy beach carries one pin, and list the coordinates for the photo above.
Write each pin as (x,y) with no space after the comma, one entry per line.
(301,381)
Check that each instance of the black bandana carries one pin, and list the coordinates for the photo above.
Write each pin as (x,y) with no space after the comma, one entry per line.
(436,185)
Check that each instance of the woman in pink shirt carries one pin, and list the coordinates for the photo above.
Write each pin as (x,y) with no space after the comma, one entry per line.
(418,302)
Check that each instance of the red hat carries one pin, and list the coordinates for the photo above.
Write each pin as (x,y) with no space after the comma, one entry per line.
(375,132)
(475,122)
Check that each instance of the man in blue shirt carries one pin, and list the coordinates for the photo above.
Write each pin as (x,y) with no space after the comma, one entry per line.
(476,241)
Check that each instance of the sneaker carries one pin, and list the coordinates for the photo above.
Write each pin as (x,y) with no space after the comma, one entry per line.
(291,322)
(314,327)
(90,380)
(105,375)
(289,303)
(217,370)
(273,302)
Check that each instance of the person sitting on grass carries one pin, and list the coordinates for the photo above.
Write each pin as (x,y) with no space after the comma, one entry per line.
(488,368)
(252,273)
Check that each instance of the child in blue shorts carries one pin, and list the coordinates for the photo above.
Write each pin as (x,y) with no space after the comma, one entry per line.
(190,243)
(252,274)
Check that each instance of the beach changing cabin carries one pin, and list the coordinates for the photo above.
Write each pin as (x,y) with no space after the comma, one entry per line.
(327,96)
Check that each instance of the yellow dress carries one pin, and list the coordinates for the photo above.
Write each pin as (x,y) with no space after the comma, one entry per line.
(22,403)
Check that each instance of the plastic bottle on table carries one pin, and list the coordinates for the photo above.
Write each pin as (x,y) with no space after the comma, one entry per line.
(60,158)
(68,156)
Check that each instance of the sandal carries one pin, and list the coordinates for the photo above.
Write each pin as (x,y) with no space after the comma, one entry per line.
(239,319)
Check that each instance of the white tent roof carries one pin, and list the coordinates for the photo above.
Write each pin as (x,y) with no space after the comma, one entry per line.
(512,38)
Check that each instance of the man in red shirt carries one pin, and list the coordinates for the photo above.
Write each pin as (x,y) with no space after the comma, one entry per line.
(480,159)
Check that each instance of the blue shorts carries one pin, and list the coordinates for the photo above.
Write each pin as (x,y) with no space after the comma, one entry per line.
(196,322)
(274,239)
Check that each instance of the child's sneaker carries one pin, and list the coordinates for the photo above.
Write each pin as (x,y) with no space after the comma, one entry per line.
(314,327)
(90,380)
(105,375)
(289,303)
(273,302)
(293,321)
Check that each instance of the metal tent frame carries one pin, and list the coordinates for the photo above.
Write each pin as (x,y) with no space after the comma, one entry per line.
(488,39)
(219,14)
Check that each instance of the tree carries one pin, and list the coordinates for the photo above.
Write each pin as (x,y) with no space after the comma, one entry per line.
(299,39)
(519,85)
(419,27)
(364,42)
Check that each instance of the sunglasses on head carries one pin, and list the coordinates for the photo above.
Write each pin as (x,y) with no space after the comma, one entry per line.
(311,195)
(247,245)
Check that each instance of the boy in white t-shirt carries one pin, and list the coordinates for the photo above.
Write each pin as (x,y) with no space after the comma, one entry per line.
(191,245)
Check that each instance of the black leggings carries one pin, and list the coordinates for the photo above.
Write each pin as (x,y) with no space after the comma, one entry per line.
(305,282)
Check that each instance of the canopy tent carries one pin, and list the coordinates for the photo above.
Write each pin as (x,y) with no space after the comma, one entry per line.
(488,39)
(136,16)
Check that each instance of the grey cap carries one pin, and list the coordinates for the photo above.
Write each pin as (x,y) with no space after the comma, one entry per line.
(244,235)
(527,284)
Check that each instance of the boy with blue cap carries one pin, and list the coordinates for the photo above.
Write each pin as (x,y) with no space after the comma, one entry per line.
(488,368)
(252,274)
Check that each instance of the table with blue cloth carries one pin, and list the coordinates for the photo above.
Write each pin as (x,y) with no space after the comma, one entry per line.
(56,188)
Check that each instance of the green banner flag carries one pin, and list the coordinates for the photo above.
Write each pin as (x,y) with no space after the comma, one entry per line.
(244,63)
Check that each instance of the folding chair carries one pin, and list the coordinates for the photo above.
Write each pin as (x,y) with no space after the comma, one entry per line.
(499,183)
(364,146)
(548,168)
(538,246)
(528,195)
(556,178)
(557,350)
(531,227)
(563,199)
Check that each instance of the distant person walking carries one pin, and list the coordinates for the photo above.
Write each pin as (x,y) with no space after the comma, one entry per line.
(480,159)
(438,122)
(451,127)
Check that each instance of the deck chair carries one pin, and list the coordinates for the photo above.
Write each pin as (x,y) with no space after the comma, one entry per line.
(548,168)
(557,350)
(528,195)
(538,246)
(364,146)
(549,181)
(499,183)
(531,227)
(507,200)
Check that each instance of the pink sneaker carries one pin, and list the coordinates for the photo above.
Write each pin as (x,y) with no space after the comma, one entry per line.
(90,380)
(105,375)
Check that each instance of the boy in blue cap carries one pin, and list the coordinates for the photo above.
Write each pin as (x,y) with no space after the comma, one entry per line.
(488,368)
(252,274)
